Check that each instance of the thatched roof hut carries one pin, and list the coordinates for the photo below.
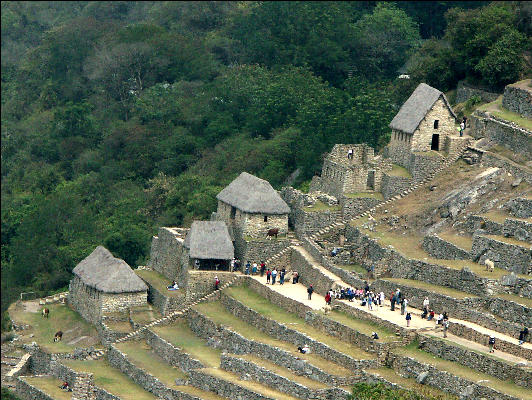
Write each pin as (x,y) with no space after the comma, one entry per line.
(209,240)
(416,107)
(108,274)
(253,195)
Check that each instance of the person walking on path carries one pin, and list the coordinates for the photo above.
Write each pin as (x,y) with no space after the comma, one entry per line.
(281,276)
(295,277)
(398,296)
(426,303)
(370,301)
(328,298)
(268,276)
(491,344)
(403,307)
(522,335)
(408,318)
(310,290)
(216,283)
(392,301)
(262,268)
(254,269)
(381,299)
(462,128)
(445,327)
(405,304)
(274,275)
(248,266)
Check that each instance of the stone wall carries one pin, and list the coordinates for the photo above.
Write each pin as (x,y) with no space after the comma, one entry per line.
(422,137)
(310,275)
(164,304)
(513,137)
(423,164)
(113,302)
(394,185)
(520,207)
(441,248)
(171,354)
(518,100)
(201,283)
(490,159)
(308,223)
(167,256)
(504,255)
(26,391)
(85,300)
(510,310)
(258,250)
(475,222)
(411,368)
(64,373)
(521,230)
(464,92)
(351,207)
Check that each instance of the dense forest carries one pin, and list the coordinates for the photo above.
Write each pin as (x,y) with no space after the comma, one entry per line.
(120,117)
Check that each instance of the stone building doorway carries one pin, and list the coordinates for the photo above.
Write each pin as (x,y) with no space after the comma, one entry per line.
(435,145)
(370,184)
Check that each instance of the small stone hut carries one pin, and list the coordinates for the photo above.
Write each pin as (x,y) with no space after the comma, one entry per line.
(103,283)
(251,206)
(209,246)
(422,124)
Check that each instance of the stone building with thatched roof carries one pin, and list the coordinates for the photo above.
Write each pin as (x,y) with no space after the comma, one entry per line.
(102,284)
(423,123)
(209,246)
(251,206)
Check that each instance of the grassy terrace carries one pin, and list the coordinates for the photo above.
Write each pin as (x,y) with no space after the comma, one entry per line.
(50,386)
(159,282)
(510,241)
(111,379)
(319,206)
(525,301)
(507,153)
(269,310)
(399,171)
(457,294)
(144,314)
(410,383)
(464,242)
(500,216)
(353,267)
(142,355)
(119,326)
(362,326)
(62,317)
(365,195)
(464,372)
(251,385)
(498,110)
(180,335)
(220,315)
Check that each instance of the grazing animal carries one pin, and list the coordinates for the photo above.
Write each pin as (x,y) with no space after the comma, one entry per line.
(489,265)
(326,309)
(45,312)
(58,336)
(273,232)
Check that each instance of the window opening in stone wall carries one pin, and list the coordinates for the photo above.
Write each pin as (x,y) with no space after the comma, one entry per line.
(265,218)
(370,183)
(436,123)
(233,212)
(435,145)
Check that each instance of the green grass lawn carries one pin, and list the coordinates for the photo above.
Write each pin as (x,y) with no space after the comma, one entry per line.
(353,267)
(111,379)
(498,110)
(457,294)
(216,312)
(159,282)
(142,355)
(510,240)
(410,384)
(50,386)
(269,310)
(464,242)
(61,317)
(365,195)
(319,206)
(119,326)
(143,315)
(180,335)
(525,301)
(362,326)
(464,372)
(399,171)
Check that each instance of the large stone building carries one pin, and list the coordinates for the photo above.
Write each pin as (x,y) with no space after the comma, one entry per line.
(208,246)
(424,123)
(251,206)
(102,284)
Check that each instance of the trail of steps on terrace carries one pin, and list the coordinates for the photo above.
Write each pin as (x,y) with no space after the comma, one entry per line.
(456,369)
(110,379)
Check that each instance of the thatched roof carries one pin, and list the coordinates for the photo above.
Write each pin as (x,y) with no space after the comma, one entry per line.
(108,274)
(416,107)
(209,240)
(253,195)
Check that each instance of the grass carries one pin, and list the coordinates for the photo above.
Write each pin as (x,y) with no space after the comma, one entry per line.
(220,315)
(142,355)
(143,315)
(365,195)
(432,288)
(61,317)
(111,379)
(399,171)
(269,310)
(251,385)
(180,335)
(525,301)
(354,267)
(456,369)
(410,383)
(430,153)
(510,241)
(496,108)
(319,206)
(507,153)
(464,242)
(50,386)
(119,326)
(159,282)
(362,326)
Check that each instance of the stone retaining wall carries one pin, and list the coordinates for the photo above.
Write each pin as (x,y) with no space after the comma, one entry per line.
(171,354)
(520,207)
(164,304)
(258,250)
(26,391)
(310,275)
(521,230)
(351,207)
(518,100)
(464,92)
(441,248)
(222,338)
(504,255)
(477,361)
(201,283)
(394,185)
(510,310)
(422,165)
(476,222)
(490,159)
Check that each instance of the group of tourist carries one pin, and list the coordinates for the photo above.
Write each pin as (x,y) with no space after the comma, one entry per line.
(271,276)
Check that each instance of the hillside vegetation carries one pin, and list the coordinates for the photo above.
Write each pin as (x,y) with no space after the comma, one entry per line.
(119,117)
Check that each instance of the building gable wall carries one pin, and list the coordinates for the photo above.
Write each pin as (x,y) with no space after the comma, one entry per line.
(422,137)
